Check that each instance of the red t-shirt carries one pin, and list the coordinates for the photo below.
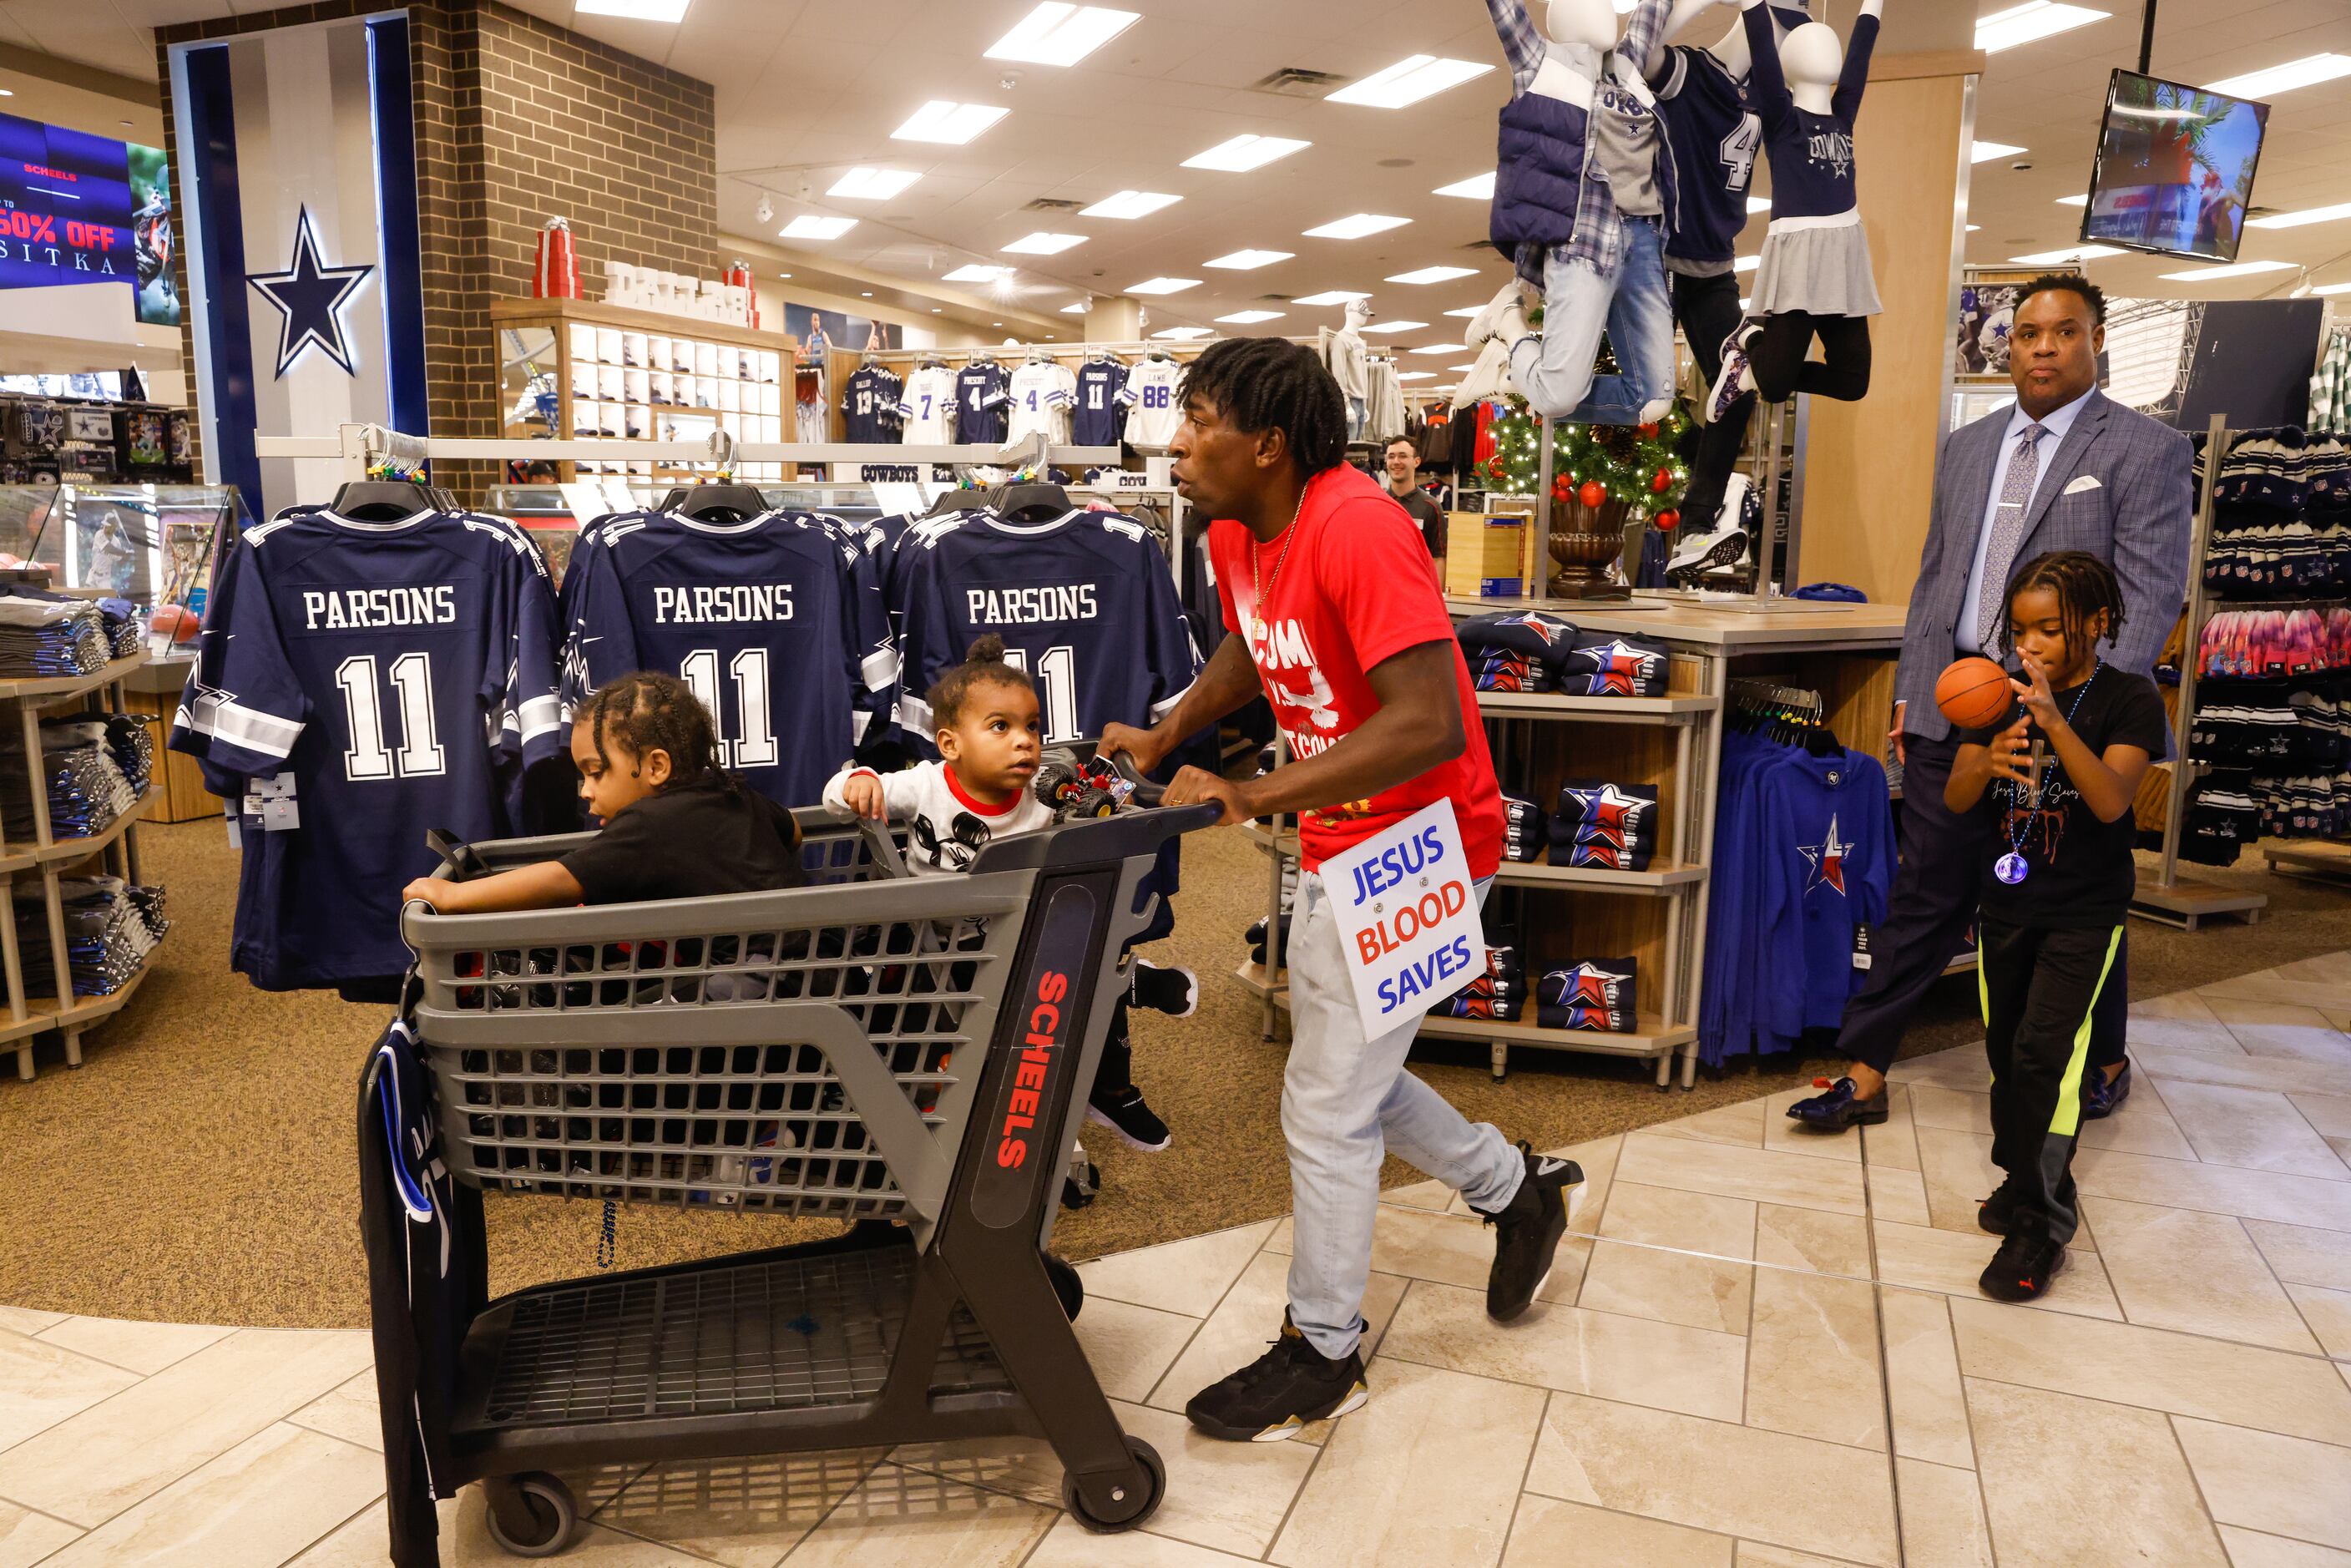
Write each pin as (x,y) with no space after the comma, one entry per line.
(1356,591)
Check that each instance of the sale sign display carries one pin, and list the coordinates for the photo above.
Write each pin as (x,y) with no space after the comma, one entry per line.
(1408,918)
(64,206)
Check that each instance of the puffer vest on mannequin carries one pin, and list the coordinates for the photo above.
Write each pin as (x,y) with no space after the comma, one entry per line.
(1538,171)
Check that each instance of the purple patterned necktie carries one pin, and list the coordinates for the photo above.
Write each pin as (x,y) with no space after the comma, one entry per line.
(2007,533)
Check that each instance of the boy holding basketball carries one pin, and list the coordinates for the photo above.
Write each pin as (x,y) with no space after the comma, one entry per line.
(2062,772)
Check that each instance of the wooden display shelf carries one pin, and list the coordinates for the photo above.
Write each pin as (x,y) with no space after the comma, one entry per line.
(594,313)
(1252,975)
(51,688)
(64,851)
(2307,857)
(1653,1037)
(1659,876)
(43,1014)
(2187,903)
(1602,710)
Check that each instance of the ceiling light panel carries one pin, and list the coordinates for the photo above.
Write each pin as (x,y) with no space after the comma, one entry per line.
(2029,23)
(1977,151)
(973,272)
(1058,35)
(1480,186)
(1759,205)
(1355,225)
(635,10)
(2308,71)
(864,185)
(2333,289)
(1243,153)
(1250,318)
(1416,375)
(1433,275)
(1130,204)
(1181,333)
(2295,220)
(1335,297)
(2234,269)
(1247,260)
(1746,264)
(1395,326)
(813,225)
(1441,348)
(942,120)
(2072,201)
(1465,311)
(1079,309)
(2071,253)
(1164,286)
(1043,244)
(1408,81)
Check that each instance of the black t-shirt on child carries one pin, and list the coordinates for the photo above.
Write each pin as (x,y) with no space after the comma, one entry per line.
(2078,869)
(691,840)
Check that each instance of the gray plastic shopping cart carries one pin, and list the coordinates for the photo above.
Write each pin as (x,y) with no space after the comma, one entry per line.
(910,1055)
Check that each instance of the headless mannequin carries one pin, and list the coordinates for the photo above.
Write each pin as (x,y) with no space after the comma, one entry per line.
(1350,364)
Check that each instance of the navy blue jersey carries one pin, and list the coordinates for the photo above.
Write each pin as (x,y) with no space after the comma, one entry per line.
(981,392)
(1099,413)
(870,402)
(1085,603)
(403,673)
(1811,154)
(770,621)
(1714,139)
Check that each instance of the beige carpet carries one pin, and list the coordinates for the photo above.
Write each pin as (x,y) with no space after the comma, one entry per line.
(200,1168)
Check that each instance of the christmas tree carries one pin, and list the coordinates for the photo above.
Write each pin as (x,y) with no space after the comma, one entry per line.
(1639,464)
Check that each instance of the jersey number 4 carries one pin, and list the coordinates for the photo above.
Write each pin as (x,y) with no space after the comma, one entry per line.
(1739,150)
(420,755)
(752,744)
(1057,672)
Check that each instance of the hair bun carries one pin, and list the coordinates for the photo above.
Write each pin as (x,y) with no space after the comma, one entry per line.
(988,649)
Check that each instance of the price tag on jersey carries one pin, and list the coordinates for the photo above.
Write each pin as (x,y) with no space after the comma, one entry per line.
(1408,918)
(1862,936)
(272,800)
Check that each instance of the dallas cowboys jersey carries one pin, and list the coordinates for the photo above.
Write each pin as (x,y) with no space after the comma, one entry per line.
(770,621)
(403,673)
(1040,395)
(1084,604)
(928,406)
(870,402)
(1095,422)
(980,393)
(1714,140)
(1150,395)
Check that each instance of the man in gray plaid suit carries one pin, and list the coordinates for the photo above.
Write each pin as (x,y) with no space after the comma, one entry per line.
(2064,468)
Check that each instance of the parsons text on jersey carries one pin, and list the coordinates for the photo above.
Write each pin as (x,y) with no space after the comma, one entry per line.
(707,604)
(372,609)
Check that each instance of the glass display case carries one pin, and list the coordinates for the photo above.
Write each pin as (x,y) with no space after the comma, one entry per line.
(152,544)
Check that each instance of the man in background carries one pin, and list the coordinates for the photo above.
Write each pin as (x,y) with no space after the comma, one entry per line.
(1404,469)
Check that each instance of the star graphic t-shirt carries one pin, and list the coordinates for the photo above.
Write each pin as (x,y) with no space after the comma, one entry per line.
(2078,869)
(1354,589)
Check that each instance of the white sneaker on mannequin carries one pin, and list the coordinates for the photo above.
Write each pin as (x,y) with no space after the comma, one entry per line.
(1724,544)
(1489,377)
(1504,318)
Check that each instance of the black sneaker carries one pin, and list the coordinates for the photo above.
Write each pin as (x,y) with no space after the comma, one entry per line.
(1125,1115)
(1274,1396)
(1527,1231)
(1173,991)
(2022,1267)
(1998,1212)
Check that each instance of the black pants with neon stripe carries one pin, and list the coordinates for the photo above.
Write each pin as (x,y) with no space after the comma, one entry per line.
(2040,990)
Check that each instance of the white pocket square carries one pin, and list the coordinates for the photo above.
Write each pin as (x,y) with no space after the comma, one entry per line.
(2080,483)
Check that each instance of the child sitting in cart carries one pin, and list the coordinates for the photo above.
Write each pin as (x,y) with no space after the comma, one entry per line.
(989,740)
(677,824)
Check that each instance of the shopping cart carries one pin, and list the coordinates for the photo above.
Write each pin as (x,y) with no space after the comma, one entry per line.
(911,1055)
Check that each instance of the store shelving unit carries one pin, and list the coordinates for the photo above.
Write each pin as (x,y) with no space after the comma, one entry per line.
(50,858)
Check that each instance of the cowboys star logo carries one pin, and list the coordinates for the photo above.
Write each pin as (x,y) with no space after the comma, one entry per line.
(309,295)
(1619,668)
(1827,859)
(1543,626)
(1611,817)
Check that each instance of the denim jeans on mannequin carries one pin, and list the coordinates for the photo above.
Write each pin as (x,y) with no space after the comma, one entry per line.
(1347,1102)
(1554,371)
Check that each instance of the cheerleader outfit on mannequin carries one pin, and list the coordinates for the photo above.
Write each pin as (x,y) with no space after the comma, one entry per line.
(1816,279)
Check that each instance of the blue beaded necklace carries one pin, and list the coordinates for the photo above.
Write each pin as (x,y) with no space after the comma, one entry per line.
(2010,867)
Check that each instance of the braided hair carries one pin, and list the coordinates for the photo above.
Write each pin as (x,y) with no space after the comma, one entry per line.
(984,663)
(646,711)
(2083,585)
(1269,384)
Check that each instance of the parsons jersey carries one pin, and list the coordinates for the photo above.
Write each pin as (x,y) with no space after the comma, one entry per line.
(1150,394)
(1096,420)
(403,673)
(1042,392)
(871,403)
(928,406)
(1715,140)
(770,621)
(1084,604)
(979,397)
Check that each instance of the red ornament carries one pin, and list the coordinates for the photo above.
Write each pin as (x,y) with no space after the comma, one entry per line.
(1562,488)
(1649,431)
(1668,521)
(1593,493)
(1661,481)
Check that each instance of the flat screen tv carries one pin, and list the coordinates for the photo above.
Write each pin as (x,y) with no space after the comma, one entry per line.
(2175,168)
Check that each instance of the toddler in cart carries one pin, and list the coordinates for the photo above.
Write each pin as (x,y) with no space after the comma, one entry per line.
(989,737)
(677,824)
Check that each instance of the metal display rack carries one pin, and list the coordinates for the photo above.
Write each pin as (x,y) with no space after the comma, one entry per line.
(50,858)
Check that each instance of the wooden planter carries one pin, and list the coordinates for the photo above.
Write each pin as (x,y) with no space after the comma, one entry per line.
(1585,541)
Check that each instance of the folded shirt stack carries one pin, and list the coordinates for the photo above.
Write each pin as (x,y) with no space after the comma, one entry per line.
(1605,825)
(1608,664)
(1590,994)
(46,634)
(1500,994)
(111,927)
(1519,652)
(86,786)
(1525,830)
(125,632)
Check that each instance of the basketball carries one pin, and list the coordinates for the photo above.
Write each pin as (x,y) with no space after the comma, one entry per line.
(1974,694)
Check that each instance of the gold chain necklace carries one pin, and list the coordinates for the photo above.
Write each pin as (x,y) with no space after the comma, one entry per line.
(1282,561)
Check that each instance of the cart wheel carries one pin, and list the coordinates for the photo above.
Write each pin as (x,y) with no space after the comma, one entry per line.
(1066,1285)
(548,1504)
(1156,1475)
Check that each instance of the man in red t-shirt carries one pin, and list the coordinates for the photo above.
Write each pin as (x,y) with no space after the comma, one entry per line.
(1326,587)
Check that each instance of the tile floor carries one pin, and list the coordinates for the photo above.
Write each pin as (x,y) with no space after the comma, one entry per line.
(1761,1350)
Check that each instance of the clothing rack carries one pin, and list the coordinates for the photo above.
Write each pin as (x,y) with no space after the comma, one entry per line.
(350,446)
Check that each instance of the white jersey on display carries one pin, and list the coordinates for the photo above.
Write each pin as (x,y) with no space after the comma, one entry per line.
(929,408)
(1150,395)
(1042,393)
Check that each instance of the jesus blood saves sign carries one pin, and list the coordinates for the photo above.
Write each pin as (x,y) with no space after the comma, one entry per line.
(1408,918)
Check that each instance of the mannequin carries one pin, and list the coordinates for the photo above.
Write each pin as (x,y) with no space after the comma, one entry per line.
(1349,363)
(1596,256)
(1815,277)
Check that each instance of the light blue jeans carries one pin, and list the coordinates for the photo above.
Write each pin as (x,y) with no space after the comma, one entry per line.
(1636,308)
(1346,1101)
